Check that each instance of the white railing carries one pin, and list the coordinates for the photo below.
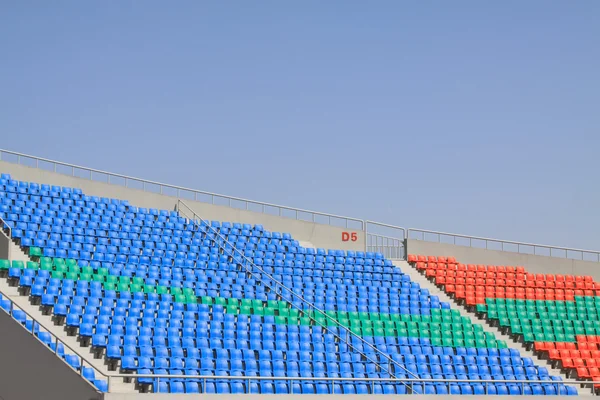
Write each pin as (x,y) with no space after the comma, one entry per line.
(503,245)
(392,245)
(179,191)
(386,239)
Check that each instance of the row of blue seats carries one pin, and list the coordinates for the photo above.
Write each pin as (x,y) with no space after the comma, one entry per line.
(132,359)
(282,387)
(55,287)
(450,364)
(65,296)
(313,346)
(211,275)
(354,296)
(194,260)
(128,223)
(49,300)
(233,277)
(92,228)
(23,198)
(455,363)
(332,370)
(100,341)
(64,309)
(228,273)
(234,282)
(175,243)
(194,245)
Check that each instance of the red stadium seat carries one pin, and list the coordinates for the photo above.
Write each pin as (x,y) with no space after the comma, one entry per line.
(478,283)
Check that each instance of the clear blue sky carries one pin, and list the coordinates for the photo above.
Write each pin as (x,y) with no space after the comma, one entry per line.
(467,116)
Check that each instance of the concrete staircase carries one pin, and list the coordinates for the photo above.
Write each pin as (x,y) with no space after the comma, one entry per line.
(419,278)
(72,344)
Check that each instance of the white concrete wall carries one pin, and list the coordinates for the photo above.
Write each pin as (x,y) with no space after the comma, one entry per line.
(4,243)
(320,235)
(532,263)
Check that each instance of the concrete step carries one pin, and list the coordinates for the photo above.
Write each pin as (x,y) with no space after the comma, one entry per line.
(422,280)
(306,244)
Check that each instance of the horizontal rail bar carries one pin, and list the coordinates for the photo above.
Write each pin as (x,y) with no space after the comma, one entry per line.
(363,223)
(385,237)
(385,225)
(179,188)
(537,245)
(282,378)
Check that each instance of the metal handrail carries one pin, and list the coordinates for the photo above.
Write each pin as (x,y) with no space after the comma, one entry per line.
(363,223)
(181,188)
(393,247)
(311,378)
(295,295)
(502,242)
(57,341)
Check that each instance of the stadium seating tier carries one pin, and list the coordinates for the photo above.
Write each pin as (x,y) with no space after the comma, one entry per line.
(154,292)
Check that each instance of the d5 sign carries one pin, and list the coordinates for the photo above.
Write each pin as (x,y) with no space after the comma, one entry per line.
(349,236)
